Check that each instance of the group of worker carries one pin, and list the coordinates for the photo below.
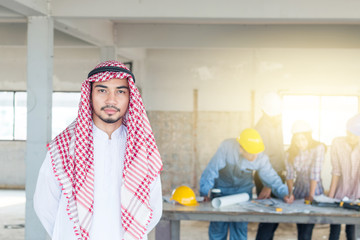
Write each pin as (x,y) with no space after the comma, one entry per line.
(258,156)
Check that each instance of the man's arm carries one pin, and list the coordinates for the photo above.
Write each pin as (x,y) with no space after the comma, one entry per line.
(271,179)
(265,193)
(315,175)
(47,196)
(336,172)
(290,198)
(313,184)
(156,203)
(211,171)
(333,185)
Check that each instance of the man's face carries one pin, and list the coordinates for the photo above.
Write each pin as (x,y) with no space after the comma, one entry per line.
(248,156)
(110,100)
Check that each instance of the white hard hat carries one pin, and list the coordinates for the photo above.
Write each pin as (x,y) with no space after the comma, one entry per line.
(300,126)
(271,104)
(353,125)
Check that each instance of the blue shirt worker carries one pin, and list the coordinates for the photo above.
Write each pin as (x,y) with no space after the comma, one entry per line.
(231,171)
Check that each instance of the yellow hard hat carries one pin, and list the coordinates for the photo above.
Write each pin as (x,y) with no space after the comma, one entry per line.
(185,196)
(251,141)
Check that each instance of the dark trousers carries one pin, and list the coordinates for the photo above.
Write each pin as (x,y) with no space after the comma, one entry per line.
(305,231)
(265,231)
(335,230)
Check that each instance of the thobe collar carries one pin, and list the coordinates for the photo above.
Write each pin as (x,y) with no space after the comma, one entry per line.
(101,134)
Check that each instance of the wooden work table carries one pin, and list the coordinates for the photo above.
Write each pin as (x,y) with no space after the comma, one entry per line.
(169,226)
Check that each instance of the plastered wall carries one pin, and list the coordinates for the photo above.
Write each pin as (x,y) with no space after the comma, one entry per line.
(187,144)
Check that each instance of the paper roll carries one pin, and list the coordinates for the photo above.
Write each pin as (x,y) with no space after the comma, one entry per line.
(229,200)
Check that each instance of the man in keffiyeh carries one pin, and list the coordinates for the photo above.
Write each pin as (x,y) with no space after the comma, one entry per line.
(101,175)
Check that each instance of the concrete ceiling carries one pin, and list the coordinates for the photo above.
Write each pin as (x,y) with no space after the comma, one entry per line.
(189,23)
(212,11)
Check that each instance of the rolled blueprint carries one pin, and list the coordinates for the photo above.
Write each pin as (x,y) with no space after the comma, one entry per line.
(229,200)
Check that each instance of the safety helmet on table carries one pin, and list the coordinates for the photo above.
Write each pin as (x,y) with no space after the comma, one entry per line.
(353,125)
(185,196)
(300,126)
(271,104)
(251,141)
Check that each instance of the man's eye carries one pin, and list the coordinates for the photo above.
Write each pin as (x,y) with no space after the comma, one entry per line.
(121,91)
(102,90)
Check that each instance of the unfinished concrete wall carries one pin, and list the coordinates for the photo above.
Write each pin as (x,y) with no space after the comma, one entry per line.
(186,150)
(174,136)
(12,162)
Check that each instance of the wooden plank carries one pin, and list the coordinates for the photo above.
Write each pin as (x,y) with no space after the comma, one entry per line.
(174,213)
(205,212)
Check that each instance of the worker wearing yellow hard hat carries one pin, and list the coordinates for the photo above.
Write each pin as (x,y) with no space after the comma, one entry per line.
(251,141)
(231,170)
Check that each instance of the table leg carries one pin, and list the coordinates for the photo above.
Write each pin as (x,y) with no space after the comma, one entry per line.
(168,230)
(175,230)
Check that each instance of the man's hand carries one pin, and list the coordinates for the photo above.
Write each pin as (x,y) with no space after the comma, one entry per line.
(309,198)
(207,199)
(265,193)
(289,199)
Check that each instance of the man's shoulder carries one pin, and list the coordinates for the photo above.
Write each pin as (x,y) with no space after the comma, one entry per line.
(229,145)
(262,156)
(338,141)
(229,142)
(262,159)
(67,133)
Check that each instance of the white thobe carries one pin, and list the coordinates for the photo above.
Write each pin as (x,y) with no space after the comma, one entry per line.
(50,204)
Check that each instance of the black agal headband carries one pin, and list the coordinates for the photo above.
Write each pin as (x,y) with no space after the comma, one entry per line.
(111,69)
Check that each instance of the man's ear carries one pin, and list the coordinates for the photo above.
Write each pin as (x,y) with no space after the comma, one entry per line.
(241,149)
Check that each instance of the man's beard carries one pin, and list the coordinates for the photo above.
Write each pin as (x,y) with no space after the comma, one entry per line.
(109,120)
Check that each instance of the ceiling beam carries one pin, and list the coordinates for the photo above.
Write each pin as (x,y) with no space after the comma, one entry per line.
(27,7)
(132,53)
(97,32)
(236,36)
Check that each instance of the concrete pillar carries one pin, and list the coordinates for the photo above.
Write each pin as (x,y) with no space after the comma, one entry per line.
(108,53)
(40,40)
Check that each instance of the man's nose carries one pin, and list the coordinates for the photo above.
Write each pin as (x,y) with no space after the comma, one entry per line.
(111,98)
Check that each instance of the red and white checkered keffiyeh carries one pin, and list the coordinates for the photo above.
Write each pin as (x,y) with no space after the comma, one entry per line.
(72,155)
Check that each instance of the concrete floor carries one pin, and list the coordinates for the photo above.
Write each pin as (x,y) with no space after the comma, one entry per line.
(12,216)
